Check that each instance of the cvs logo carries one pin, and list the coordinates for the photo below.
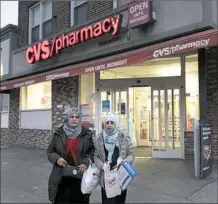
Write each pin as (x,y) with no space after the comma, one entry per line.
(112,181)
(161,52)
(38,52)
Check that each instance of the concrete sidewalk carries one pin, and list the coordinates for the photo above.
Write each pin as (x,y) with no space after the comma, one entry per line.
(25,172)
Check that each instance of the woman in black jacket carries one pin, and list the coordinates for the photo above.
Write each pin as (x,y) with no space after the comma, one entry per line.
(71,145)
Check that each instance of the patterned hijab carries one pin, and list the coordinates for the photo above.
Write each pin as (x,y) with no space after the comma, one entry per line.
(111,138)
(73,131)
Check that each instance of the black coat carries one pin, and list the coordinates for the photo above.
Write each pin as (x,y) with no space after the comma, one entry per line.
(57,149)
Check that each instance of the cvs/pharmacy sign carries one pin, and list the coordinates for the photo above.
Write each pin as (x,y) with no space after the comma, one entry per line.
(46,49)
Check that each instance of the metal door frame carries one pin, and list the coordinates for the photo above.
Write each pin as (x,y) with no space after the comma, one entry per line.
(168,153)
(113,99)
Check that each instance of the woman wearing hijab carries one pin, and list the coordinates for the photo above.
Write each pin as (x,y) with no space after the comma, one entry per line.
(112,147)
(71,145)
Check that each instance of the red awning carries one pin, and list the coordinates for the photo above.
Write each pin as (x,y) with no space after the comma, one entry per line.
(180,45)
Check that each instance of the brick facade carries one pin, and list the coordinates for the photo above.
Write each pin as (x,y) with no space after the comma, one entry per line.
(212,107)
(189,145)
(61,16)
(212,98)
(61,12)
(23,21)
(98,7)
(64,92)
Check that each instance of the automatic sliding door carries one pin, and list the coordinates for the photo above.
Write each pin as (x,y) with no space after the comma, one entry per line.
(174,118)
(115,101)
(166,123)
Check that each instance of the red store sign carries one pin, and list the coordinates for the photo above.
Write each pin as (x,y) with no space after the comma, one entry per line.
(139,13)
(46,49)
(180,45)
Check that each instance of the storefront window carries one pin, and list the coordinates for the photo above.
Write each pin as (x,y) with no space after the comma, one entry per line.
(163,67)
(4,102)
(36,96)
(87,99)
(4,110)
(192,90)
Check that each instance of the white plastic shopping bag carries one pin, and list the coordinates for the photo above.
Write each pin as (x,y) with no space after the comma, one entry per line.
(126,174)
(112,185)
(90,179)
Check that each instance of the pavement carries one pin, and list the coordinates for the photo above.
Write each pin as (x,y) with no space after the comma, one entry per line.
(25,172)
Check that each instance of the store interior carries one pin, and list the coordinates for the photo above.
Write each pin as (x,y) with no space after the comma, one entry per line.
(134,108)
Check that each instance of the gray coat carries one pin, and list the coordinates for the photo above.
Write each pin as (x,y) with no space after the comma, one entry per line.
(126,150)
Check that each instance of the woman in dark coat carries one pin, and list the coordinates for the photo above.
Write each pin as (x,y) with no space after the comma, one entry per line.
(72,145)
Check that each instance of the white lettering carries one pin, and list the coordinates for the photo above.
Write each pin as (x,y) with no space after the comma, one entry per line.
(18,85)
(106,66)
(57,76)
(29,82)
(90,69)
(3,88)
(139,7)
(141,18)
(117,63)
(180,47)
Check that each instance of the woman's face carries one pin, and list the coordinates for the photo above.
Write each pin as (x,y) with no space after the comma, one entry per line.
(74,120)
(110,126)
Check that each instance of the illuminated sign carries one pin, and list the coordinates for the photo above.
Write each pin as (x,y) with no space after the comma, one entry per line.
(46,49)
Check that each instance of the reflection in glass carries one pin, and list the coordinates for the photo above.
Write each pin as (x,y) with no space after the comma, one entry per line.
(170,121)
(162,113)
(192,90)
(176,118)
(36,96)
(156,120)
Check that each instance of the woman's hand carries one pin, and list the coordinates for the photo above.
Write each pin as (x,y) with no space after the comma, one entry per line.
(117,166)
(61,162)
(82,168)
(119,162)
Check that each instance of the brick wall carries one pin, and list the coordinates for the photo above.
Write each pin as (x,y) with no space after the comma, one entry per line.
(212,98)
(189,145)
(212,106)
(5,140)
(23,21)
(61,14)
(64,92)
(98,7)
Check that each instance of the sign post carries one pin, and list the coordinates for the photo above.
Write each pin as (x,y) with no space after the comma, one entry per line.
(202,149)
(205,139)
(197,146)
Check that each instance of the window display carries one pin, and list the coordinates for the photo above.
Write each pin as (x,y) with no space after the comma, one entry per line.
(37,96)
(192,90)
(4,102)
(88,99)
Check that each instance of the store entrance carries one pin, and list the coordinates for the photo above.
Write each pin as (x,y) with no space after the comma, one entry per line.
(150,116)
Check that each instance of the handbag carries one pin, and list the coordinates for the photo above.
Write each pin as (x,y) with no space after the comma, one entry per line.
(72,171)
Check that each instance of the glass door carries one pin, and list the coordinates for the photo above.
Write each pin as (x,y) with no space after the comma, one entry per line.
(115,101)
(166,123)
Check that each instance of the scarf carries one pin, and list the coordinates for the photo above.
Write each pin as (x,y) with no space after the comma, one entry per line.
(72,132)
(111,138)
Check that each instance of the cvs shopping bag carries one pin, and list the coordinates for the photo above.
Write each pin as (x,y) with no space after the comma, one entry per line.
(126,174)
(112,186)
(90,179)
